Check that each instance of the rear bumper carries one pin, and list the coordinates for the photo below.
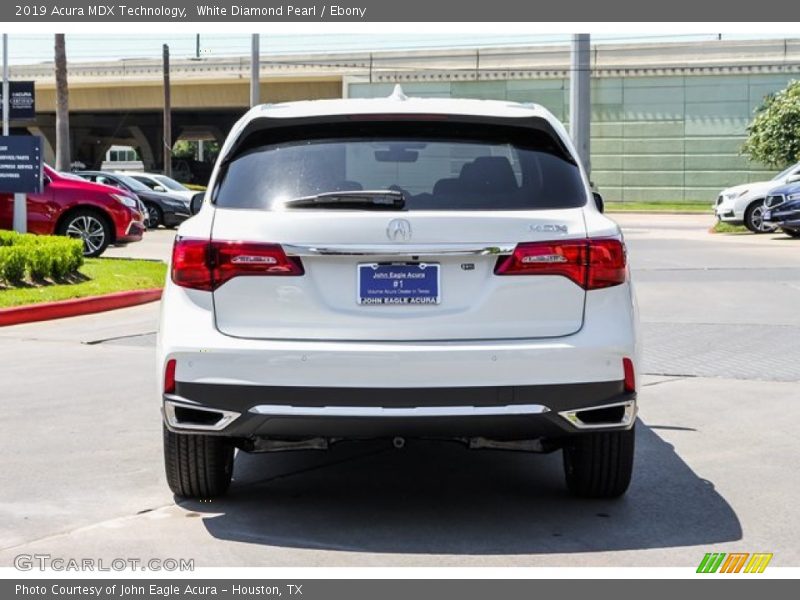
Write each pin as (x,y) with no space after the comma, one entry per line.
(498,412)
(354,389)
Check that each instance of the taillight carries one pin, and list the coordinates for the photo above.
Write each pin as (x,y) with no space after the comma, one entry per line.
(191,265)
(232,259)
(546,258)
(591,264)
(629,374)
(206,265)
(169,376)
(607,263)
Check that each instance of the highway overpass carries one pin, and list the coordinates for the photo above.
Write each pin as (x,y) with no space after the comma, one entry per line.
(668,118)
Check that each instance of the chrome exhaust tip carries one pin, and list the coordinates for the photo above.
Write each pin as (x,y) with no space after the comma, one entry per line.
(618,414)
(189,417)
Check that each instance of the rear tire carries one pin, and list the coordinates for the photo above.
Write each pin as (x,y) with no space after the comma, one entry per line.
(198,466)
(599,464)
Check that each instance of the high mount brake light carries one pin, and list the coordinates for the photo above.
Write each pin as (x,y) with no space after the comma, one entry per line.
(592,264)
(206,265)
(398,117)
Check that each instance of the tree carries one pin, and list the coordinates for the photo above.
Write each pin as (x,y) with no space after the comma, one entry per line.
(183,149)
(62,106)
(773,138)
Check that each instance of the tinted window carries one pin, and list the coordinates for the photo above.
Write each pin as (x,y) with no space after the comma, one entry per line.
(170,183)
(144,180)
(443,167)
(132,184)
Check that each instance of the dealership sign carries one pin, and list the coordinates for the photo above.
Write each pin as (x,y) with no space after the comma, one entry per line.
(20,164)
(22,100)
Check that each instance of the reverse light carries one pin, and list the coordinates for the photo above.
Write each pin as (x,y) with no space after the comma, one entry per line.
(169,376)
(206,265)
(592,264)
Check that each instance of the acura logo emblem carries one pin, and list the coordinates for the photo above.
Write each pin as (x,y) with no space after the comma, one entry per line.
(398,230)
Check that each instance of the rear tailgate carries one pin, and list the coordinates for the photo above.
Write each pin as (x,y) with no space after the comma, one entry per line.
(470,301)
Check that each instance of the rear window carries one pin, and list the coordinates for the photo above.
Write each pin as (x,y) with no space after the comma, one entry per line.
(437,166)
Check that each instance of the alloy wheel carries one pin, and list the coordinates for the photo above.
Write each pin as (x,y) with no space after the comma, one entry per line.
(153,217)
(757,219)
(90,230)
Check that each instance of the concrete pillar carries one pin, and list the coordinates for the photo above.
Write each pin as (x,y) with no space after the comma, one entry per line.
(142,143)
(580,101)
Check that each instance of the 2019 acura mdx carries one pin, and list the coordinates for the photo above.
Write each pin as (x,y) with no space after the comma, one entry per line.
(398,267)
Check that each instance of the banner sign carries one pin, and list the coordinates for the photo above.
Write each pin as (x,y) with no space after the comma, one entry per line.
(22,100)
(20,164)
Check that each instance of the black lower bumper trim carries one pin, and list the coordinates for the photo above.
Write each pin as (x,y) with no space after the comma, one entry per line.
(556,398)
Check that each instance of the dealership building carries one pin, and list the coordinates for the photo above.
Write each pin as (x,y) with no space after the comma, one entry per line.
(668,118)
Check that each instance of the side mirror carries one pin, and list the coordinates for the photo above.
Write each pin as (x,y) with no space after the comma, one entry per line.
(159,188)
(598,201)
(197,202)
(793,178)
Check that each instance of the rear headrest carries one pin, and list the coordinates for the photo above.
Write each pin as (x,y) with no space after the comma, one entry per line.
(492,172)
(447,187)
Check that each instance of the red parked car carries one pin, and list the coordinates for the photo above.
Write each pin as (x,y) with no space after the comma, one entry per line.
(69,205)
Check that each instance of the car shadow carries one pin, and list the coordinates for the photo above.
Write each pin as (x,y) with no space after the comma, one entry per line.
(441,498)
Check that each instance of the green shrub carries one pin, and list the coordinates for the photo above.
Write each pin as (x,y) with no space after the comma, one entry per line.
(66,258)
(12,264)
(7,238)
(75,255)
(41,257)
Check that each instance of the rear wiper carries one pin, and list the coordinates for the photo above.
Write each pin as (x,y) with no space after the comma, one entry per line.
(373,199)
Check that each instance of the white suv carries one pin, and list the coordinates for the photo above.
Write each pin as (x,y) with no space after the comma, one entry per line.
(394,268)
(744,204)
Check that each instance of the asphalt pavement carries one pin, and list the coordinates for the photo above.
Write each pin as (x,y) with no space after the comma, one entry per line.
(83,476)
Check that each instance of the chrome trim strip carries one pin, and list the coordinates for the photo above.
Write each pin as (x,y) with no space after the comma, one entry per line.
(628,416)
(399,249)
(277,410)
(226,417)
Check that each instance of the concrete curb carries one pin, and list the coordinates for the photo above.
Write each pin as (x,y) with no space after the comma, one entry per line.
(76,306)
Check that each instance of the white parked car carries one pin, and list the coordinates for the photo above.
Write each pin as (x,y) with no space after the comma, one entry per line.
(397,268)
(164,185)
(744,204)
